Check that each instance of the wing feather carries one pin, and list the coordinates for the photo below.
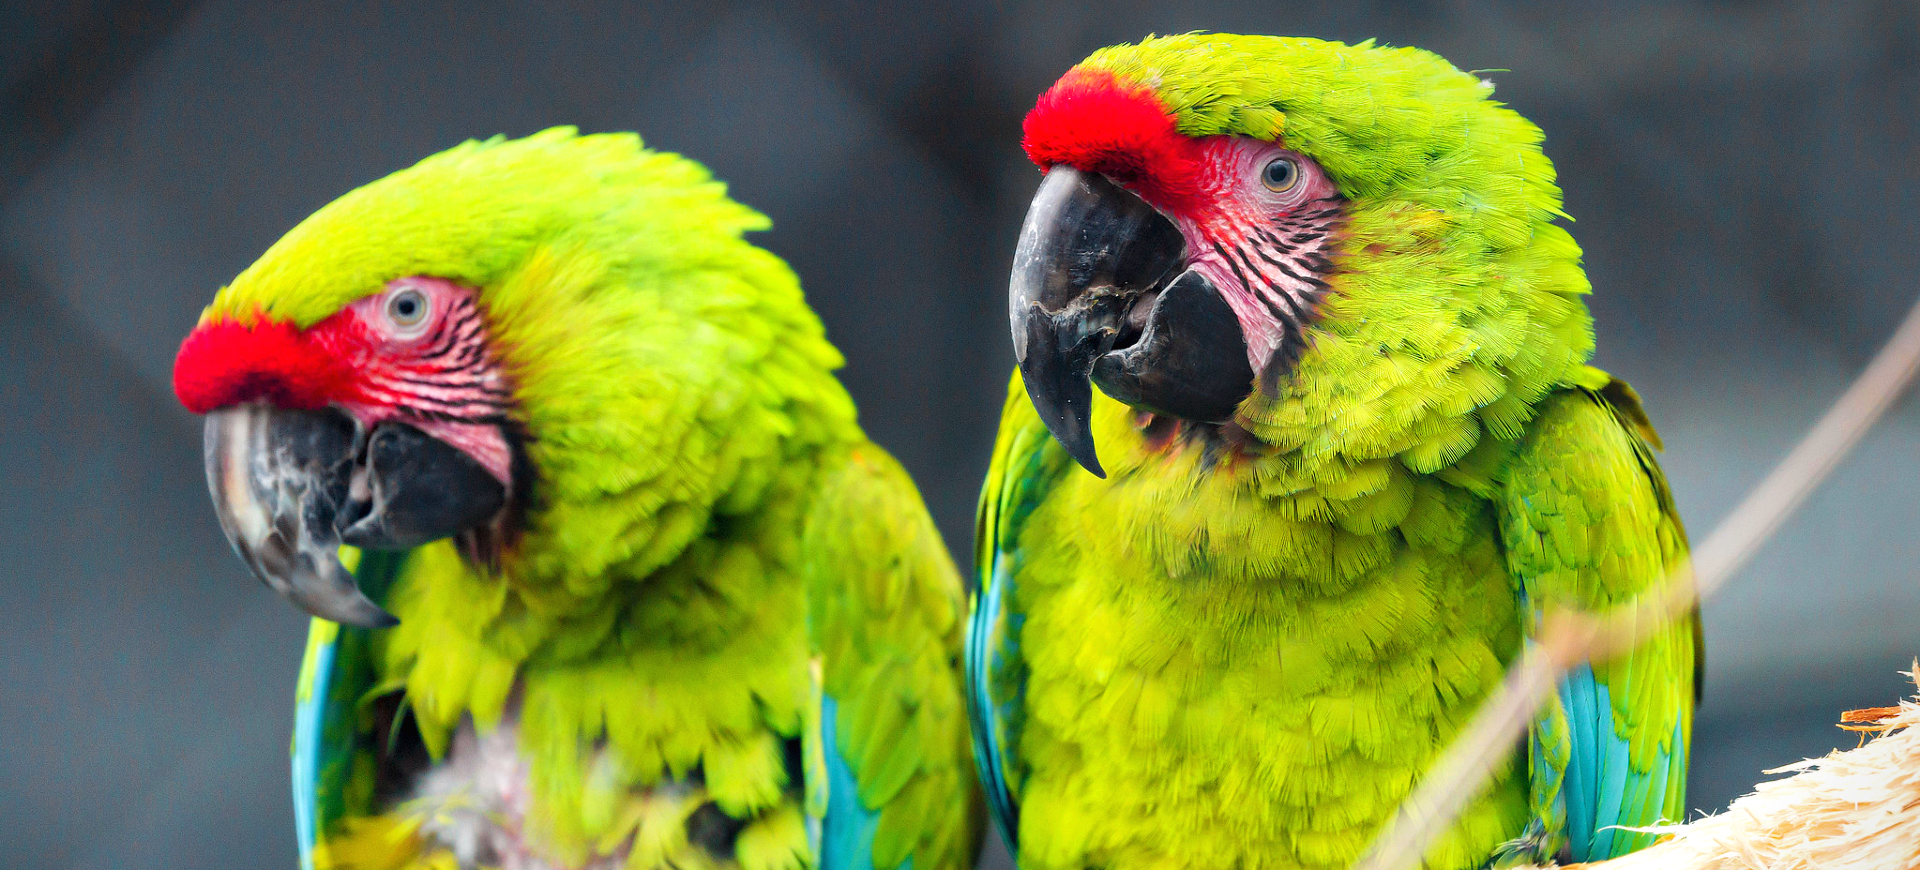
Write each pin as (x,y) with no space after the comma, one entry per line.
(884,606)
(335,674)
(1588,522)
(1026,461)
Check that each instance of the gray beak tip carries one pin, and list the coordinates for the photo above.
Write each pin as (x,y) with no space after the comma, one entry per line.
(1061,394)
(1082,451)
(370,616)
(327,590)
(272,491)
(1088,250)
(290,486)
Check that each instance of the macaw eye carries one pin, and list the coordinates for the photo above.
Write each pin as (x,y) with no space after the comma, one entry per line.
(1280,175)
(407,309)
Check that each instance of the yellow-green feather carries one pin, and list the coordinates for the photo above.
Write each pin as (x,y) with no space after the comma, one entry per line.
(683,426)
(885,606)
(1588,523)
(1242,650)
(1217,677)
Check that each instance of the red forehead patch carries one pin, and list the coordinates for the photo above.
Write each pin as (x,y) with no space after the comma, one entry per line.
(1093,121)
(228,362)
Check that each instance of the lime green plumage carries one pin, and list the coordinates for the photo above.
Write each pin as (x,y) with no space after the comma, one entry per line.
(886,629)
(1587,522)
(708,533)
(1242,648)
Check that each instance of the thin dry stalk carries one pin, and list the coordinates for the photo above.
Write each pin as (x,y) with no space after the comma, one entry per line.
(1568,638)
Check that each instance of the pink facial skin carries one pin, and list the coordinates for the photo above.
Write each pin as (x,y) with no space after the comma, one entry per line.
(420,350)
(1265,250)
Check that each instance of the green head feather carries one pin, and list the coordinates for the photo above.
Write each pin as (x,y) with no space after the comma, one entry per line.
(1455,305)
(476,213)
(689,452)
(657,356)
(676,396)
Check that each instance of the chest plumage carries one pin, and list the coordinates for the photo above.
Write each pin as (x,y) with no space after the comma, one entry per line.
(633,588)
(1226,678)
(1353,451)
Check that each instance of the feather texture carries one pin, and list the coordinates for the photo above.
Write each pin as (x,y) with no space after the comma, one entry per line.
(1588,522)
(1244,645)
(705,523)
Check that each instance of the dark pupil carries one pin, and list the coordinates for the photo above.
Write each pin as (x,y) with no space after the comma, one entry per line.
(406,306)
(1279,172)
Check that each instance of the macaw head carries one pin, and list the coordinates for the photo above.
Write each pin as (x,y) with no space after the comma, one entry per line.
(1314,244)
(526,346)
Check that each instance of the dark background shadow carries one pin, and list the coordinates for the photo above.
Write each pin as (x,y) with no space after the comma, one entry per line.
(1745,177)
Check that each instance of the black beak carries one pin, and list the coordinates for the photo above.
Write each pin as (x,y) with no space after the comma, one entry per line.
(290,487)
(1097,296)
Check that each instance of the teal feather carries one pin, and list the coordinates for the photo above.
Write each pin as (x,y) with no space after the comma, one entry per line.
(992,643)
(1600,789)
(846,835)
(1028,462)
(335,675)
(309,718)
(1580,789)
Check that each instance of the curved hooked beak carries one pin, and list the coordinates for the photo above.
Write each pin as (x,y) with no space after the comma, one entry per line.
(1098,296)
(290,487)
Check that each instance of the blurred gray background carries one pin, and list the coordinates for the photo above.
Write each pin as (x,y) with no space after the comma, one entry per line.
(1745,176)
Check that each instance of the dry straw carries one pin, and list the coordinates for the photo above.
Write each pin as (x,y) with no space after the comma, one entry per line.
(1853,810)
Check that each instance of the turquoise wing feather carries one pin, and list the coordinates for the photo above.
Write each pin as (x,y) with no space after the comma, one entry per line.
(1588,522)
(889,785)
(335,675)
(1603,786)
(1025,461)
(310,750)
(849,826)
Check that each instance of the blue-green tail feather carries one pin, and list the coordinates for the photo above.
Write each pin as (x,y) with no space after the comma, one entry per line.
(335,674)
(846,835)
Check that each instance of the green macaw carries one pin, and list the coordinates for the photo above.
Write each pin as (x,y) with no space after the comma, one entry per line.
(633,590)
(1348,453)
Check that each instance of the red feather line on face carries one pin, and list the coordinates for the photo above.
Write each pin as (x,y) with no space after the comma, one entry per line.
(1093,121)
(445,381)
(228,362)
(351,359)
